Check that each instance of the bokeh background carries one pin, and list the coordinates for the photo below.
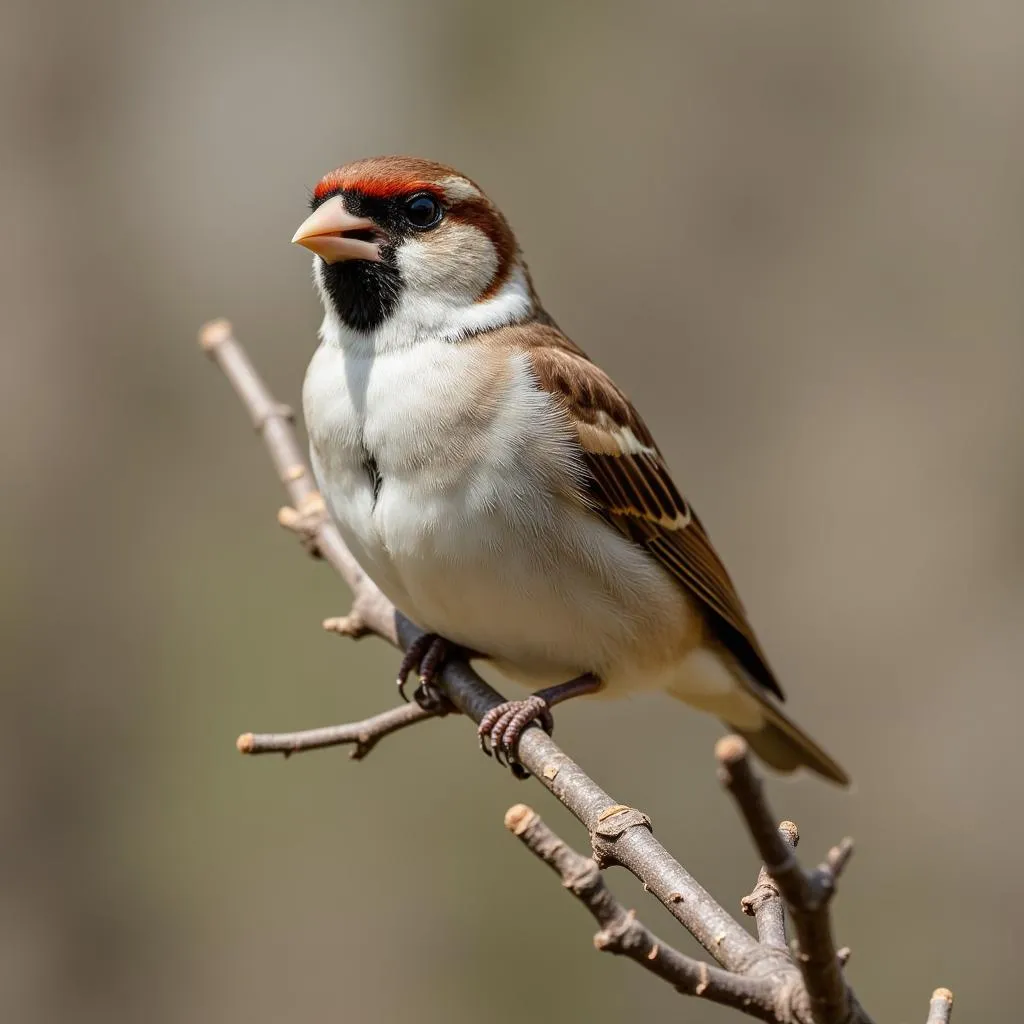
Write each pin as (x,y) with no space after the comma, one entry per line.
(793,234)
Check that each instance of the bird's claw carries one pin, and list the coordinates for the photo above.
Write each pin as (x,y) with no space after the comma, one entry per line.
(427,654)
(500,729)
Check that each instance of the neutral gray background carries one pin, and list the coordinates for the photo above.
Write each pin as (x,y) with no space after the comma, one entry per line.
(793,234)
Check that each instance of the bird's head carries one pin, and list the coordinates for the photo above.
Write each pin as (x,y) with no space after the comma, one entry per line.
(406,247)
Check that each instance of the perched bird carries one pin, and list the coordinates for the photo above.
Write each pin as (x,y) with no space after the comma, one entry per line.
(496,484)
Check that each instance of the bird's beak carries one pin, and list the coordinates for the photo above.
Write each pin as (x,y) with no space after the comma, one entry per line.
(334,234)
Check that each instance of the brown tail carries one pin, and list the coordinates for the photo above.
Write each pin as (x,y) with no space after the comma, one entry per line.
(785,746)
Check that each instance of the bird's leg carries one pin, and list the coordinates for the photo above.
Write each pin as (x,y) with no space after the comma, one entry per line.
(501,727)
(427,654)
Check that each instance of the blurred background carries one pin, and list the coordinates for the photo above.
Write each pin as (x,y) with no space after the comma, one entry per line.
(791,232)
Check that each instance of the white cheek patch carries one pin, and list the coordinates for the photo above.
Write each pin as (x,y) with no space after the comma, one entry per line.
(443,277)
(457,260)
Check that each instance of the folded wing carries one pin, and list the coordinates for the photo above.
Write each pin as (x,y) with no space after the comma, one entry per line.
(630,487)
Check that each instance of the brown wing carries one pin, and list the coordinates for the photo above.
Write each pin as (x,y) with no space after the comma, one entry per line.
(631,488)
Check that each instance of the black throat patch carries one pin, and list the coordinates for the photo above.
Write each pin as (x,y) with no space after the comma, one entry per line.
(363,294)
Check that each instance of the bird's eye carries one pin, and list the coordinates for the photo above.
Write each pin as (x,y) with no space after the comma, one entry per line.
(423,211)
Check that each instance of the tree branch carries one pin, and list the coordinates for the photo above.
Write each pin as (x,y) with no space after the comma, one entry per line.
(621,933)
(363,735)
(941,1009)
(308,518)
(807,893)
(811,992)
(764,904)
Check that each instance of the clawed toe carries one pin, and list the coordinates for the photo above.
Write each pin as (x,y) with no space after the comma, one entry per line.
(501,728)
(426,654)
(430,698)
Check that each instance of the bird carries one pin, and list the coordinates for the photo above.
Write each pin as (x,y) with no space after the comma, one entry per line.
(497,485)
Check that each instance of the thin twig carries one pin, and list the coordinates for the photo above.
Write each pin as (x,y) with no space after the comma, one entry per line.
(362,735)
(941,1009)
(621,933)
(807,893)
(764,904)
(308,517)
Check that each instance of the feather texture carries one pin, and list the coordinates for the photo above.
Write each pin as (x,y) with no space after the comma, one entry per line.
(630,487)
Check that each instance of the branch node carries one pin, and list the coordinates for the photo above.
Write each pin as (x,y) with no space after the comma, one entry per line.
(763,893)
(305,521)
(618,818)
(790,832)
(702,985)
(838,857)
(274,411)
(352,625)
(941,1009)
(764,904)
(213,334)
(730,750)
(612,823)
(519,818)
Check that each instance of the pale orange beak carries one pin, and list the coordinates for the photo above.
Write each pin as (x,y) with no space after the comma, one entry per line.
(327,231)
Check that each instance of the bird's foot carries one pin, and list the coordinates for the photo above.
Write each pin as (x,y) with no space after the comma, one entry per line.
(426,655)
(501,727)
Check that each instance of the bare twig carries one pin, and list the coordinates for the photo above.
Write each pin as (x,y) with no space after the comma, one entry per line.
(764,904)
(807,893)
(308,518)
(941,1009)
(362,735)
(814,992)
(621,932)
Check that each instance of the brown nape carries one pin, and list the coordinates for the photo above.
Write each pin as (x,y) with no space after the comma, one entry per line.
(540,314)
(563,368)
(484,216)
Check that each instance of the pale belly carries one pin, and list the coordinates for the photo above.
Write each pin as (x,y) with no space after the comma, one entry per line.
(471,528)
(545,601)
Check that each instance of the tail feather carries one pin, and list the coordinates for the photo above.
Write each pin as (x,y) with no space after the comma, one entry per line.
(719,686)
(786,747)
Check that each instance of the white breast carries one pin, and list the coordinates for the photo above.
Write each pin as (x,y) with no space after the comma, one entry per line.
(476,531)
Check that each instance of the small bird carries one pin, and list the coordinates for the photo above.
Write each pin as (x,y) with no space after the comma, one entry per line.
(496,484)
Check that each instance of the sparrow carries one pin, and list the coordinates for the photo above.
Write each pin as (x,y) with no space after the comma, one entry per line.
(497,485)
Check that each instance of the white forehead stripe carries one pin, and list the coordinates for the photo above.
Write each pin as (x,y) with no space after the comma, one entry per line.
(457,189)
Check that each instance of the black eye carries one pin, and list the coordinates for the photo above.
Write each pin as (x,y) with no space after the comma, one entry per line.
(423,210)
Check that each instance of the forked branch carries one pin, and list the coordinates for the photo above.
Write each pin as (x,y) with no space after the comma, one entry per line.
(757,976)
(621,933)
